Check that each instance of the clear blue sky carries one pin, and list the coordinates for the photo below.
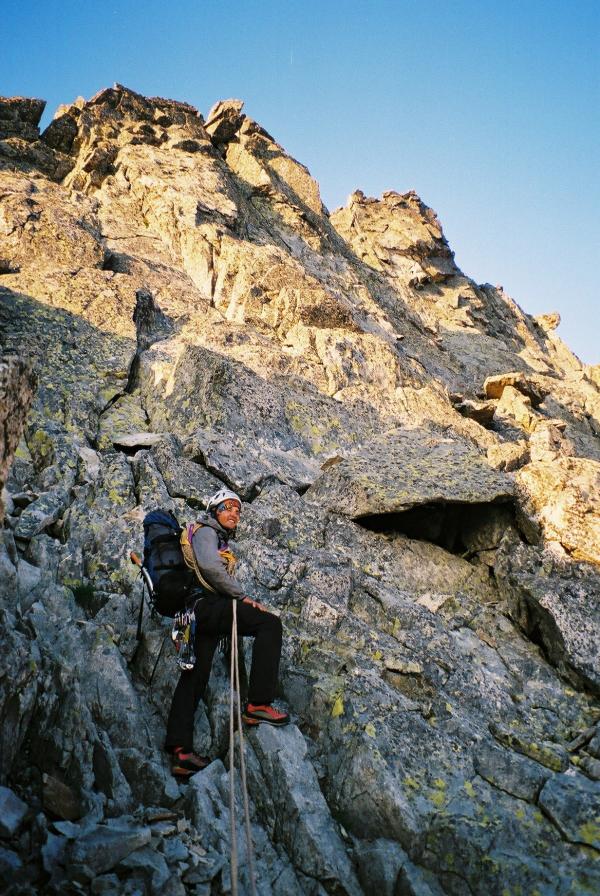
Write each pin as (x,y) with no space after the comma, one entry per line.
(489,110)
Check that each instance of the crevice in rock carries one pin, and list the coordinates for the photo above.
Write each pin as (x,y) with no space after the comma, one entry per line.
(94,442)
(463,529)
(259,486)
(192,501)
(451,874)
(510,793)
(117,262)
(552,821)
(533,630)
(151,326)
(109,404)
(249,492)
(133,374)
(130,450)
(530,619)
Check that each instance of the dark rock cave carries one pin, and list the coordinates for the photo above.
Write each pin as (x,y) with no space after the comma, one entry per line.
(462,529)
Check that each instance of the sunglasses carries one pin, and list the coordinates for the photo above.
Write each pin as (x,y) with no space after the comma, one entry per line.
(229,505)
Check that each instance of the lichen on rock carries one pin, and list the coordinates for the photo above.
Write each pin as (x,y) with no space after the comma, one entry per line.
(418,463)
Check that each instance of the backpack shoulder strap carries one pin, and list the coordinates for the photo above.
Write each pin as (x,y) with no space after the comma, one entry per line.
(187,550)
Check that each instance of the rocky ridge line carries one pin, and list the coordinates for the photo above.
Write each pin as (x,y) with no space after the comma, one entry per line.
(420,465)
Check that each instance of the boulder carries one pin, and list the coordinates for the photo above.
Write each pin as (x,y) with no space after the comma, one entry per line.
(20,116)
(548,322)
(594,744)
(150,781)
(133,441)
(512,773)
(590,767)
(12,812)
(102,847)
(494,386)
(149,864)
(406,469)
(560,500)
(182,477)
(508,456)
(105,884)
(124,418)
(379,865)
(61,132)
(516,409)
(246,465)
(555,604)
(19,108)
(60,800)
(573,803)
(224,120)
(41,514)
(10,863)
(301,817)
(547,442)
(480,411)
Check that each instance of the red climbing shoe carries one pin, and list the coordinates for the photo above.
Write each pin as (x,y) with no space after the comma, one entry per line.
(255,713)
(183,764)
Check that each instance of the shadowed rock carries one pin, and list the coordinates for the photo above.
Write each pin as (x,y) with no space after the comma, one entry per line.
(17,383)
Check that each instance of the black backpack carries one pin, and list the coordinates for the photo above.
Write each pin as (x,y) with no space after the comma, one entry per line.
(164,563)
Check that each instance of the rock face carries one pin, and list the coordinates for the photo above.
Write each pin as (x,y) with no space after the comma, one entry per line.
(418,460)
(16,391)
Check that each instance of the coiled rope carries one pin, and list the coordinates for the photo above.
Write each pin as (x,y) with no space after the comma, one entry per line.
(234,685)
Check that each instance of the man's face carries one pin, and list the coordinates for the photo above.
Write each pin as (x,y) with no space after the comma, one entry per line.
(228,514)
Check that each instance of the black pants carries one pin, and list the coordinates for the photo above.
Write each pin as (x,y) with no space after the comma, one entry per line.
(214,615)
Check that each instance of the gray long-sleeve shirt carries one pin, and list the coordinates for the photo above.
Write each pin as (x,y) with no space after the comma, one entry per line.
(206,548)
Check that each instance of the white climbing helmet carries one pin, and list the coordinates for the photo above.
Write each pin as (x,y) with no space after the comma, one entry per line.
(224,494)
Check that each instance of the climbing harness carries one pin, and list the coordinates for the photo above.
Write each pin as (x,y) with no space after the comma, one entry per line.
(234,685)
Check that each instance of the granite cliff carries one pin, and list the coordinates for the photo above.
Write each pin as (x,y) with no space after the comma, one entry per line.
(420,467)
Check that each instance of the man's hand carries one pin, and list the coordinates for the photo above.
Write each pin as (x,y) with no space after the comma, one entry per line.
(255,604)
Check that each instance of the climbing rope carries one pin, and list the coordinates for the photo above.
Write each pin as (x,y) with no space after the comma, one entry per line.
(234,685)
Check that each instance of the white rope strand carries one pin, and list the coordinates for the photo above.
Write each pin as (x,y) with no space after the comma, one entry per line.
(234,856)
(249,847)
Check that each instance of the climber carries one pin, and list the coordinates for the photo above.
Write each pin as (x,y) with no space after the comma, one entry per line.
(214,613)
